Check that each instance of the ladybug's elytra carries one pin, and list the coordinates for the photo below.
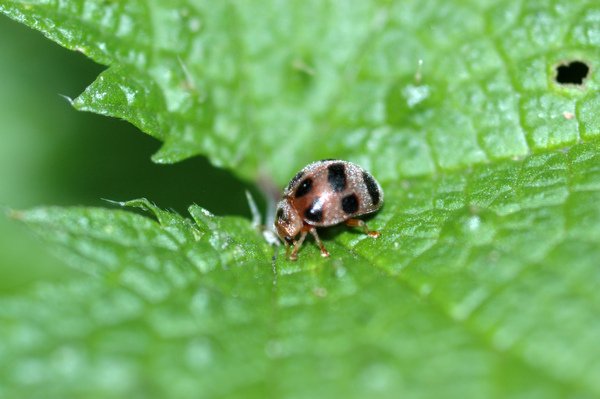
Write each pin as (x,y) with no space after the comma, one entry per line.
(326,193)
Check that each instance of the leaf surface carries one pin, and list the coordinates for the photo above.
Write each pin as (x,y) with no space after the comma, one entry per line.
(483,282)
(427,88)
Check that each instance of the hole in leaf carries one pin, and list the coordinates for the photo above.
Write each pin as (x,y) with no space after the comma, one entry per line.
(574,72)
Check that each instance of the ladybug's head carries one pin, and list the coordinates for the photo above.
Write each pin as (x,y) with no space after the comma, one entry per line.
(288,222)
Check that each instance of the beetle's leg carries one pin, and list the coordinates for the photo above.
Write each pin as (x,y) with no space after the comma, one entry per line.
(361,223)
(324,252)
(287,249)
(297,245)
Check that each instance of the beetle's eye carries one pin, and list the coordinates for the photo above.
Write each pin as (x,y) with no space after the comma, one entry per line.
(279,214)
(288,239)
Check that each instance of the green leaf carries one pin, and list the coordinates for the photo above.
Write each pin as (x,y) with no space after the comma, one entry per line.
(483,282)
(481,285)
(306,80)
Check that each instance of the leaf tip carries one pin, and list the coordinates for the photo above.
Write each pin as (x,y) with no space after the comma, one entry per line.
(113,202)
(69,99)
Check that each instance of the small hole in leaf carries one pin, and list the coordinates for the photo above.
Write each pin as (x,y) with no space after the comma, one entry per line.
(572,73)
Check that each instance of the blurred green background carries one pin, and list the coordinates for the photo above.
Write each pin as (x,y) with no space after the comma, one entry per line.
(51,154)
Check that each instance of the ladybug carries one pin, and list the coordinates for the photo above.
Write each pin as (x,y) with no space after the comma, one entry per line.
(325,193)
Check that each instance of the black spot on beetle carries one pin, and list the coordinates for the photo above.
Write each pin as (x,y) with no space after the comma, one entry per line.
(328,159)
(350,204)
(304,188)
(372,188)
(336,176)
(572,73)
(295,179)
(313,213)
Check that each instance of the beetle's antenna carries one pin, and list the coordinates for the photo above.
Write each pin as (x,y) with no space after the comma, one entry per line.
(256,216)
(266,230)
